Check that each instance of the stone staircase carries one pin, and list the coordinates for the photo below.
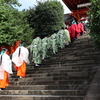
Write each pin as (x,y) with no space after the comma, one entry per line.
(65,76)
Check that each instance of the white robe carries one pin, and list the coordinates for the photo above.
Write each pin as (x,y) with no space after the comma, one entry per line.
(18,60)
(6,65)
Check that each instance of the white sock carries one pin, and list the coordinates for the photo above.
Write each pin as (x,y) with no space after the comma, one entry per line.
(36,65)
(67,43)
(21,77)
(54,52)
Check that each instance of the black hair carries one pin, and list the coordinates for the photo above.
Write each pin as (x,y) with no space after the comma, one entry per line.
(38,34)
(65,27)
(55,31)
(21,42)
(45,34)
(62,28)
(70,24)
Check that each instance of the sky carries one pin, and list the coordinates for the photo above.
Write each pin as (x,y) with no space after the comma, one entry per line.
(31,3)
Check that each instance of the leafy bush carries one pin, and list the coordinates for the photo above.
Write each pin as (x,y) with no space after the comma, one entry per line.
(48,17)
(13,25)
(24,30)
(94,22)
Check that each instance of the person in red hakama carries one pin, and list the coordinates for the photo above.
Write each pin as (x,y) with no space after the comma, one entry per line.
(76,29)
(81,28)
(72,32)
(5,69)
(20,58)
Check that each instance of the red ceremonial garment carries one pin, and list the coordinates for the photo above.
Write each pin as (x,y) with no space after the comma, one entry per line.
(21,70)
(4,82)
(71,31)
(75,27)
(81,27)
(5,69)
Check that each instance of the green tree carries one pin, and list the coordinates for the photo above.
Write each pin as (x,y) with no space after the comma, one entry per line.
(12,2)
(94,22)
(7,30)
(13,24)
(24,30)
(47,16)
(30,15)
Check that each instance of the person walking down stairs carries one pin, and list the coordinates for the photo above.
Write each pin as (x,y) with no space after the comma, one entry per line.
(35,49)
(5,69)
(20,58)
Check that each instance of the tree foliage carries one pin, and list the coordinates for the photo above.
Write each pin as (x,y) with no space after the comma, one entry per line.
(94,22)
(7,29)
(20,25)
(48,16)
(13,24)
(30,15)
(24,30)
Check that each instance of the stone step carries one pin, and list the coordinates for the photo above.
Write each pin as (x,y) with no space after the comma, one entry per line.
(74,51)
(81,63)
(55,73)
(43,92)
(34,71)
(68,65)
(74,56)
(48,78)
(48,87)
(64,64)
(69,68)
(41,97)
(68,62)
(58,74)
(78,48)
(70,58)
(76,62)
(56,69)
(60,64)
(50,82)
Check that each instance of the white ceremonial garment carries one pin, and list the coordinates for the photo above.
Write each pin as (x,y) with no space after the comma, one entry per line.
(18,60)
(6,65)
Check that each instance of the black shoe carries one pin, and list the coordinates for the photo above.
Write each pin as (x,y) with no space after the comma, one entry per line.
(1,88)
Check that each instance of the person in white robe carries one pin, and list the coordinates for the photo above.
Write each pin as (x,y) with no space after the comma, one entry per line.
(5,68)
(20,59)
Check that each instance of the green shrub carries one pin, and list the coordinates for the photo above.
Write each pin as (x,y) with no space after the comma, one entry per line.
(94,22)
(48,17)
(13,24)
